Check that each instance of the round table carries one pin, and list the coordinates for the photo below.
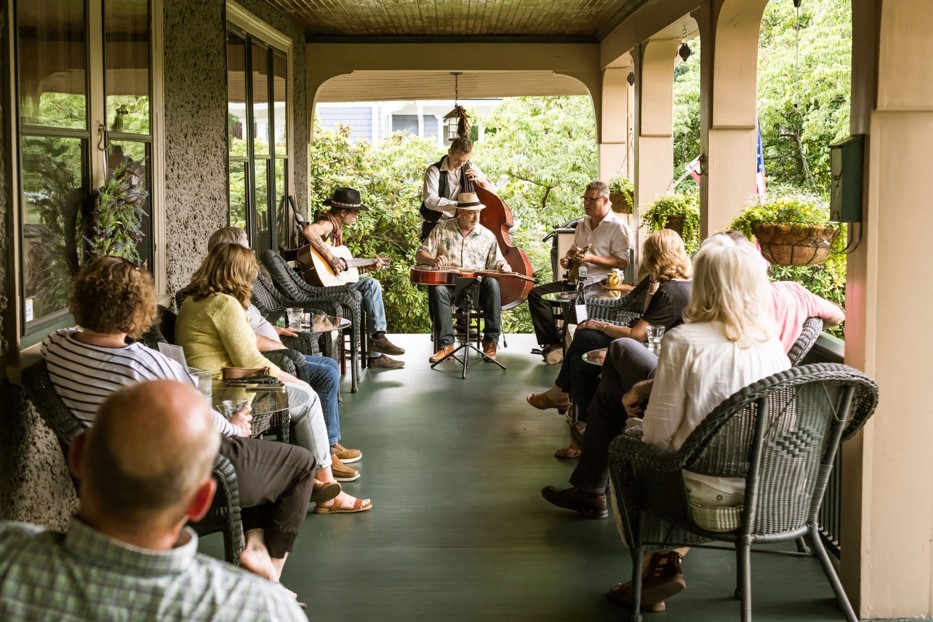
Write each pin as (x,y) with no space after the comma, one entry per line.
(269,407)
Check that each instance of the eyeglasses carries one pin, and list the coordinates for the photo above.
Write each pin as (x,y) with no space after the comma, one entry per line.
(591,199)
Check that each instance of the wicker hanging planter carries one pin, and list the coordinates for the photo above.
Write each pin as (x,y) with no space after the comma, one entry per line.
(620,203)
(795,244)
(675,222)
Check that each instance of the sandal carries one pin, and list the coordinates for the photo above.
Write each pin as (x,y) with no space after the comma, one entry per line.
(359,505)
(569,453)
(541,401)
(663,578)
(324,491)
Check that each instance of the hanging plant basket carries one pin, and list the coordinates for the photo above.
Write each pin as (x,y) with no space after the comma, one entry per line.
(620,203)
(795,244)
(675,222)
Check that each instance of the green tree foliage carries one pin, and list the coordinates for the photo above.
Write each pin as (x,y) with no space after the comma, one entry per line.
(687,112)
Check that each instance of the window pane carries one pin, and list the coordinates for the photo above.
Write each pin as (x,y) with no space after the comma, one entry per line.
(238,194)
(52,63)
(280,125)
(128,161)
(53,193)
(126,65)
(260,60)
(284,235)
(236,94)
(261,195)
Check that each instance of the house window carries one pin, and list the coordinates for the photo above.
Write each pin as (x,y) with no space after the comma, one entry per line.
(257,133)
(83,91)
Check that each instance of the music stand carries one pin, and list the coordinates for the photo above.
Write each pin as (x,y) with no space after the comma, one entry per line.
(466,299)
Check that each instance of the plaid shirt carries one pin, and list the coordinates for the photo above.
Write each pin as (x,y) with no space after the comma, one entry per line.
(85,575)
(479,250)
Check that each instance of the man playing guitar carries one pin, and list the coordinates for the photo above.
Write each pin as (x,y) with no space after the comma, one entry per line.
(462,242)
(345,208)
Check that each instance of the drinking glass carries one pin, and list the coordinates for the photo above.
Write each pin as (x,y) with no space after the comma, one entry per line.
(295,316)
(654,338)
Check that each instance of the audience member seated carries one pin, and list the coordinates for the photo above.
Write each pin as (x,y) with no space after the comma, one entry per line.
(111,300)
(145,470)
(321,372)
(728,341)
(668,265)
(213,329)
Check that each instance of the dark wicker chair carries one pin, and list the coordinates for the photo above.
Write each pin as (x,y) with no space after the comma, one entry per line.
(781,434)
(224,515)
(342,301)
(622,309)
(812,328)
(272,305)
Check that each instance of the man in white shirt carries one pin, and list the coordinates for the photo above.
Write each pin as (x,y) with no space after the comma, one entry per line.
(601,244)
(444,181)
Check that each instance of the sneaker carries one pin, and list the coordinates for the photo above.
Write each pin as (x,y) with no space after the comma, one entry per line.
(346,455)
(553,354)
(343,473)
(489,350)
(382,344)
(384,362)
(440,354)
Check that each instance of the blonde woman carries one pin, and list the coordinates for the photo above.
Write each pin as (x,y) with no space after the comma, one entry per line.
(213,328)
(668,265)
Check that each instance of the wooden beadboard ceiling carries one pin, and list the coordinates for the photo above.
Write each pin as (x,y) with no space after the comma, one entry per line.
(434,19)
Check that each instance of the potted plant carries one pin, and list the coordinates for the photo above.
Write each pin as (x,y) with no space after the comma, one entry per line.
(622,195)
(791,230)
(115,226)
(677,212)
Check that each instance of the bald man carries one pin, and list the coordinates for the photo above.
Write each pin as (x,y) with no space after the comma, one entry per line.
(145,471)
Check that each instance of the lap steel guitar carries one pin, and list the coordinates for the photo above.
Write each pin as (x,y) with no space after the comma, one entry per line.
(429,275)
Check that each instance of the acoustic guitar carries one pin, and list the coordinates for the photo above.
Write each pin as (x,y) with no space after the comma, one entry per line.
(316,270)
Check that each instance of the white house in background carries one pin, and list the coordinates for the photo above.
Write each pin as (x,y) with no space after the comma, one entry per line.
(373,121)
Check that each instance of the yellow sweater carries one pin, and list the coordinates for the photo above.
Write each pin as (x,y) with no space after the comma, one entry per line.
(215,333)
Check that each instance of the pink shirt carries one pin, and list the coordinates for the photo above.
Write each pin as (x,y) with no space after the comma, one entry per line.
(792,305)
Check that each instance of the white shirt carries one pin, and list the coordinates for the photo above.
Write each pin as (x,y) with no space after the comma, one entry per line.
(699,368)
(445,204)
(611,238)
(260,325)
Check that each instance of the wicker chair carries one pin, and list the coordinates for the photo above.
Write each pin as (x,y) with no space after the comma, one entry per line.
(342,300)
(272,305)
(622,309)
(224,515)
(781,435)
(812,328)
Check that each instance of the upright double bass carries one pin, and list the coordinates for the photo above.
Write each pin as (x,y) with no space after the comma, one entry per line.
(497,217)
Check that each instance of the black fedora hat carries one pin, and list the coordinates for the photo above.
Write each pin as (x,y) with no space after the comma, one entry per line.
(346,198)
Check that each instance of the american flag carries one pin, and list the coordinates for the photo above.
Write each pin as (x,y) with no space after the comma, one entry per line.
(760,188)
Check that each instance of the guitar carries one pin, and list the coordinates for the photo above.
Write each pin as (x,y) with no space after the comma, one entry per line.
(429,275)
(317,271)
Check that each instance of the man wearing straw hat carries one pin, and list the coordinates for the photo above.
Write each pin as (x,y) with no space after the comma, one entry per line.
(462,242)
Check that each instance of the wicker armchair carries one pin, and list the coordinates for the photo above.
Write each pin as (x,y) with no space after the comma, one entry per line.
(781,435)
(622,309)
(224,515)
(272,305)
(342,301)
(812,328)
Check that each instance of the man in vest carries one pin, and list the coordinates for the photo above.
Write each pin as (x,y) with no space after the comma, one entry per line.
(444,180)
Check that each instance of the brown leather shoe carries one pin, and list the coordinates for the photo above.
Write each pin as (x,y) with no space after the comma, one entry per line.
(343,473)
(385,346)
(663,578)
(489,350)
(384,362)
(440,354)
(346,455)
(590,506)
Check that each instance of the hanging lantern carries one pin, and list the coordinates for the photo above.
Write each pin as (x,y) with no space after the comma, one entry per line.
(684,51)
(630,78)
(456,122)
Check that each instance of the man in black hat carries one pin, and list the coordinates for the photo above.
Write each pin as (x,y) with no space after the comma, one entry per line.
(327,232)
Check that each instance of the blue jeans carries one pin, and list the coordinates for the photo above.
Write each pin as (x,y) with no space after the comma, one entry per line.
(489,298)
(324,378)
(371,291)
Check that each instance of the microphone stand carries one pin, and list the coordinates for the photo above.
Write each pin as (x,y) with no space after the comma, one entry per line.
(466,298)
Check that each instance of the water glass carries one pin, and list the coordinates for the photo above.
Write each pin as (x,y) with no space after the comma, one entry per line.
(654,338)
(295,315)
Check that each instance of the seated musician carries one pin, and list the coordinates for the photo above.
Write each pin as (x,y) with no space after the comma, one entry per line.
(601,243)
(345,208)
(445,180)
(463,242)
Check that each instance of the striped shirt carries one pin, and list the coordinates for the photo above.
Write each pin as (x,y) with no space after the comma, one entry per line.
(84,375)
(85,575)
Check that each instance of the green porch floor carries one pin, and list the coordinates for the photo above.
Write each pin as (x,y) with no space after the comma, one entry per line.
(459,530)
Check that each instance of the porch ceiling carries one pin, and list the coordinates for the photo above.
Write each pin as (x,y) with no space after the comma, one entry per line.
(442,19)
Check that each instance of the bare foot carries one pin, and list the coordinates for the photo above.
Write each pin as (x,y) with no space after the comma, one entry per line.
(343,504)
(255,557)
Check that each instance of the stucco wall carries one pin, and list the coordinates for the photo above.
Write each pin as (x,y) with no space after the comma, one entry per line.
(195,121)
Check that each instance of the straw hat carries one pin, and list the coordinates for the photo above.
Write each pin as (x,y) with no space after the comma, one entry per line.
(469,202)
